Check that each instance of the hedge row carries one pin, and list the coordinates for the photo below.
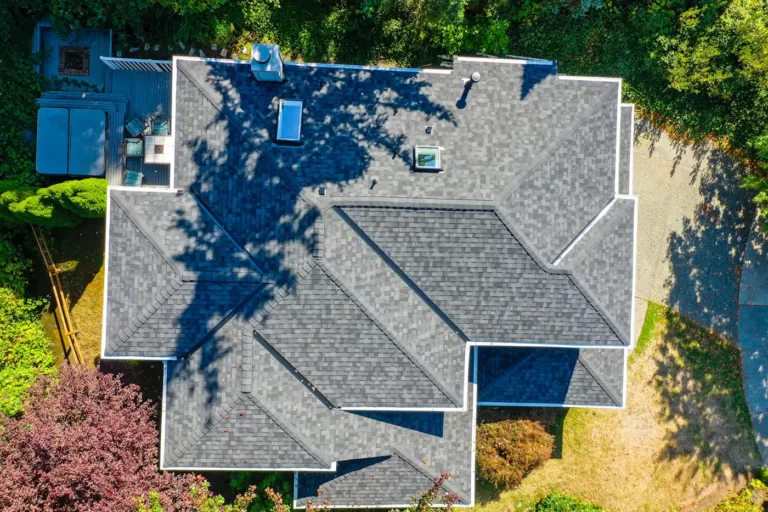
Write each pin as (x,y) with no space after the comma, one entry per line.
(62,205)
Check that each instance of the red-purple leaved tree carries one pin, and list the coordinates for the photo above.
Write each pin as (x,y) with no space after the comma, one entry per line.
(85,442)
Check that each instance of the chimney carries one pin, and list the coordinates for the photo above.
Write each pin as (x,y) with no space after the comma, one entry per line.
(267,63)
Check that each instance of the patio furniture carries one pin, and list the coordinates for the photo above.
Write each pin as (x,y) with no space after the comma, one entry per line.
(159,149)
(160,124)
(136,126)
(133,178)
(133,148)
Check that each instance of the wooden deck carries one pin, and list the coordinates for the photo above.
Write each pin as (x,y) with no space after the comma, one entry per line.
(148,92)
(48,43)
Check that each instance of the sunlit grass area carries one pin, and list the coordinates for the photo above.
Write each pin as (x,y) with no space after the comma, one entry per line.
(684,440)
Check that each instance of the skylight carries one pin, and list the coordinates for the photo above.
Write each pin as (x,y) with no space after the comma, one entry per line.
(289,121)
(427,158)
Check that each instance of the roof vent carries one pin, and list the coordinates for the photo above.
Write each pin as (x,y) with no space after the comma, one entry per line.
(267,63)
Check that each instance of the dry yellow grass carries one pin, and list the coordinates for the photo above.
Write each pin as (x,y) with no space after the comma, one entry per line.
(682,443)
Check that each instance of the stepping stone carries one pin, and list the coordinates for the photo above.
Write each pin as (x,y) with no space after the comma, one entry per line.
(157,47)
(146,47)
(191,52)
(181,45)
(214,47)
(202,55)
(119,53)
(134,49)
(223,53)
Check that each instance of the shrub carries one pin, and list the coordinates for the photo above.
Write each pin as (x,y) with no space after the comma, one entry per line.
(556,502)
(85,198)
(61,205)
(242,481)
(508,450)
(750,499)
(85,442)
(24,350)
(13,264)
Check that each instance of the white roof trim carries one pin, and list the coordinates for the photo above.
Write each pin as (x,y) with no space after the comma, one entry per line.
(496,60)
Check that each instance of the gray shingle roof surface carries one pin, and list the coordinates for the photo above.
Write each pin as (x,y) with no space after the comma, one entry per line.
(556,376)
(553,202)
(283,304)
(603,261)
(478,273)
(211,422)
(625,151)
(333,343)
(379,481)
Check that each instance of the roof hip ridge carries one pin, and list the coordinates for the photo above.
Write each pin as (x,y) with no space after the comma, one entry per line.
(316,454)
(368,311)
(144,229)
(554,145)
(528,247)
(400,273)
(146,313)
(600,379)
(424,470)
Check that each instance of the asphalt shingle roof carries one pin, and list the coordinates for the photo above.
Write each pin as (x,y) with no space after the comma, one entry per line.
(287,309)
(556,376)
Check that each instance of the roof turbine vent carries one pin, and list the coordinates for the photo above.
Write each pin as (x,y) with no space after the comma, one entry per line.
(267,63)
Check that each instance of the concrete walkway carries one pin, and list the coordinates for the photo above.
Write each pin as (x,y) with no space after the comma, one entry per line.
(693,227)
(753,333)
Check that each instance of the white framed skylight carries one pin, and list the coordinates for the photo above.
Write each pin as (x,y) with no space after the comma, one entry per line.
(289,121)
(427,158)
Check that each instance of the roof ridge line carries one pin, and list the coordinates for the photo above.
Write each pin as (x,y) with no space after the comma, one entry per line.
(582,234)
(600,379)
(316,454)
(227,112)
(553,146)
(280,292)
(216,328)
(161,297)
(548,267)
(144,229)
(397,270)
(291,368)
(204,428)
(413,203)
(579,248)
(207,210)
(424,470)
(368,311)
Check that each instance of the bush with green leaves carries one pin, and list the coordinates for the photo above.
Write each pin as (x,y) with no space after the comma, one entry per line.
(24,349)
(14,265)
(556,502)
(61,205)
(241,481)
(508,450)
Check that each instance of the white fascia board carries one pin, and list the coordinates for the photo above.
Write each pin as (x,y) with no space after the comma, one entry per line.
(236,468)
(589,78)
(172,169)
(474,429)
(634,276)
(556,406)
(624,382)
(494,60)
(106,277)
(141,358)
(390,507)
(149,190)
(543,345)
(368,68)
(631,145)
(162,414)
(618,136)
(584,231)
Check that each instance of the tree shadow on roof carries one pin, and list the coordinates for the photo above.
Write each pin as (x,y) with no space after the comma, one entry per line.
(266,197)
(534,75)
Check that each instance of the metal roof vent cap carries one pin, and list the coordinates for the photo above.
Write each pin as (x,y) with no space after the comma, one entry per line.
(475,77)
(267,63)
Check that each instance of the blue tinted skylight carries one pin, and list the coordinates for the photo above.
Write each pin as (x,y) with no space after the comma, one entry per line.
(289,121)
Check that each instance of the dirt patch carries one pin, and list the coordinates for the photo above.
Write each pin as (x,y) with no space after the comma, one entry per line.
(683,442)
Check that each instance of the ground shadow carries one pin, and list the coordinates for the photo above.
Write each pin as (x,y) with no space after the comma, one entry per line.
(706,254)
(698,375)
